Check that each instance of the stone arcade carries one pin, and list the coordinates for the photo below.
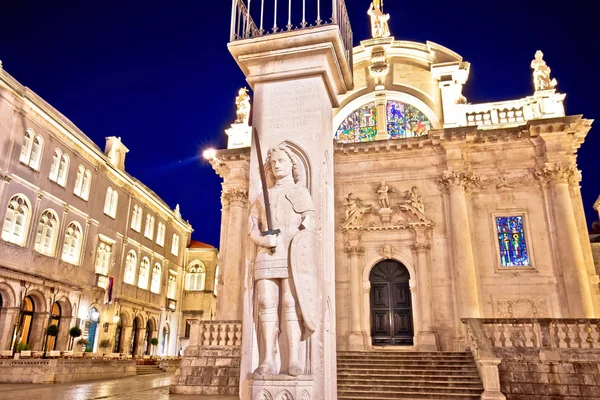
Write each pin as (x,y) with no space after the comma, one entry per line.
(425,206)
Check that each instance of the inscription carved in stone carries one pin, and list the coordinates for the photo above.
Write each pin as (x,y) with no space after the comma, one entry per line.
(523,308)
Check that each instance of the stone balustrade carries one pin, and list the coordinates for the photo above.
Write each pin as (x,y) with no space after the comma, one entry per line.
(547,104)
(217,333)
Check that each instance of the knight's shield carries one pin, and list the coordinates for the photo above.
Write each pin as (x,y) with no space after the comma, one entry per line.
(305,275)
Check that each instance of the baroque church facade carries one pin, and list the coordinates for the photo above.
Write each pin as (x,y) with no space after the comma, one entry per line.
(85,244)
(443,209)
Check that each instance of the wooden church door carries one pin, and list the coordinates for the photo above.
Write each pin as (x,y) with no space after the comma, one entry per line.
(391,305)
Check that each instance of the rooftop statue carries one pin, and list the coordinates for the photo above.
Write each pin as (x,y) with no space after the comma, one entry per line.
(379,20)
(541,73)
(242,101)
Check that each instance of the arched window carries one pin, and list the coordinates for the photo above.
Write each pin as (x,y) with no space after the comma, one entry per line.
(216,279)
(149,229)
(139,219)
(63,170)
(72,244)
(144,271)
(79,180)
(16,221)
(175,244)
(196,277)
(87,183)
(36,152)
(134,217)
(26,148)
(107,200)
(160,234)
(155,286)
(47,233)
(26,319)
(55,315)
(110,202)
(130,264)
(55,165)
(172,286)
(103,254)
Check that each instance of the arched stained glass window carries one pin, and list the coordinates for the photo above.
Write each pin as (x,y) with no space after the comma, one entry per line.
(404,121)
(511,242)
(359,126)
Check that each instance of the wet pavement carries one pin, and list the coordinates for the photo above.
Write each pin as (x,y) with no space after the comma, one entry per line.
(144,387)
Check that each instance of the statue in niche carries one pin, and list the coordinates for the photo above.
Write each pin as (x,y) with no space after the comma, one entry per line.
(285,272)
(379,20)
(355,211)
(242,101)
(382,192)
(415,199)
(541,73)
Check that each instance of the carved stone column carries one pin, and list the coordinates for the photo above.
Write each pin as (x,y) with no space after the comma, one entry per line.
(570,253)
(232,274)
(141,342)
(427,339)
(62,340)
(8,319)
(126,339)
(465,273)
(355,252)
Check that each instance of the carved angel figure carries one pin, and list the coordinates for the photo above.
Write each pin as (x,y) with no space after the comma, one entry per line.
(379,20)
(355,211)
(242,101)
(415,199)
(541,73)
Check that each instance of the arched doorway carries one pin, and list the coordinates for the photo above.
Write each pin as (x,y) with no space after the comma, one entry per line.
(26,320)
(147,337)
(118,335)
(55,315)
(135,330)
(391,305)
(91,328)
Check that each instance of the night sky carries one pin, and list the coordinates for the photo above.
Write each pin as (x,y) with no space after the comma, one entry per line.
(158,74)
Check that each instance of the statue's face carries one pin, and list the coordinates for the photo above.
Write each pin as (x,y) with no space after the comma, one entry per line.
(281,165)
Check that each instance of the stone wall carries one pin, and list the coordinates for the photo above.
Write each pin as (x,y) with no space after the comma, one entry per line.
(568,374)
(213,371)
(596,255)
(63,370)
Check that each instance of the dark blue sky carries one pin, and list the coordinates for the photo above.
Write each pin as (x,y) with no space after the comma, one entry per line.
(158,73)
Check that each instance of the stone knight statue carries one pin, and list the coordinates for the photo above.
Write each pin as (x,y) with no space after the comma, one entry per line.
(379,20)
(284,269)
(541,73)
(242,101)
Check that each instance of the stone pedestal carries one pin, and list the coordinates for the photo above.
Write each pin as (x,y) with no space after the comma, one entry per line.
(283,387)
(386,215)
(296,77)
(239,136)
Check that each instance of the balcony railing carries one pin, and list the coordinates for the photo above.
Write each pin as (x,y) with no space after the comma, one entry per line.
(278,16)
(216,333)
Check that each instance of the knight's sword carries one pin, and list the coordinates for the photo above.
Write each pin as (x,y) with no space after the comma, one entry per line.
(263,181)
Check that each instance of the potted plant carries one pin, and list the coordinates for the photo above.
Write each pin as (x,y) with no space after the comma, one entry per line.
(154,343)
(82,343)
(74,332)
(21,347)
(52,330)
(104,344)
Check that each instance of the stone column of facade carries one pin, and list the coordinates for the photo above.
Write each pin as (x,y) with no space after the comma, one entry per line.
(296,77)
(62,340)
(126,339)
(8,319)
(232,274)
(427,339)
(355,253)
(36,336)
(570,253)
(140,342)
(382,133)
(456,183)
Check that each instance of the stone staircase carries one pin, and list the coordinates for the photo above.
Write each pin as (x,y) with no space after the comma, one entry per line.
(407,375)
(148,369)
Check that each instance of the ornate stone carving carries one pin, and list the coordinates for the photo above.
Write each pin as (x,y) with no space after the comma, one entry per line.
(354,251)
(559,173)
(541,73)
(387,251)
(379,20)
(285,395)
(355,211)
(523,308)
(5,178)
(242,102)
(264,395)
(232,195)
(504,182)
(40,195)
(379,67)
(305,396)
(415,199)
(421,247)
(463,180)
(293,214)
(383,196)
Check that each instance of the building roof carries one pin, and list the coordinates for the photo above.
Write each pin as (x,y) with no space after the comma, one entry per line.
(194,244)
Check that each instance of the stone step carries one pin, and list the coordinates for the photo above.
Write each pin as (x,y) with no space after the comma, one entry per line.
(468,391)
(414,381)
(415,371)
(392,363)
(408,377)
(405,353)
(404,367)
(407,396)
(147,369)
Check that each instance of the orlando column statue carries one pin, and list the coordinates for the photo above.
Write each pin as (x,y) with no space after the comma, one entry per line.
(282,226)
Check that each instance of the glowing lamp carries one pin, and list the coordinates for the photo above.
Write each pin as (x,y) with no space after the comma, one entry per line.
(209,154)
(116,319)
(95,315)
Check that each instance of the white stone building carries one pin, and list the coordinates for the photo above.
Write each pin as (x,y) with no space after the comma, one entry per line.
(85,244)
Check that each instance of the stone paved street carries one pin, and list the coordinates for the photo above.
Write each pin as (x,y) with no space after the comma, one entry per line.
(146,387)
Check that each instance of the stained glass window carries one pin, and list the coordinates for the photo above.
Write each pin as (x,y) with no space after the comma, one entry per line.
(511,241)
(404,120)
(359,126)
